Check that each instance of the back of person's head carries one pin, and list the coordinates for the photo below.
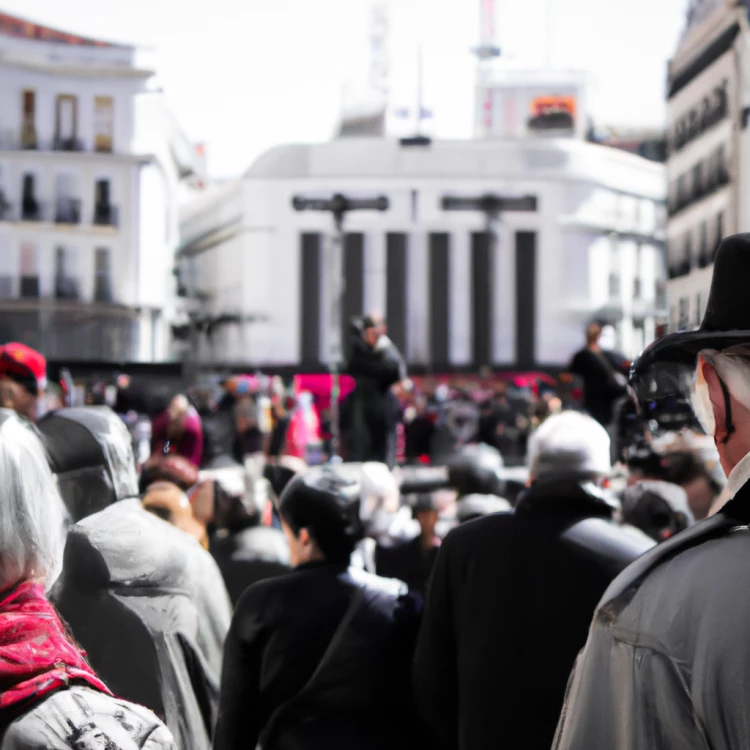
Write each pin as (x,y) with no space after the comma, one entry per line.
(659,509)
(327,503)
(476,470)
(569,446)
(91,452)
(168,468)
(32,515)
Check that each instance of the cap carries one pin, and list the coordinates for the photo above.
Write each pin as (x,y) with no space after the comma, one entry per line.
(25,366)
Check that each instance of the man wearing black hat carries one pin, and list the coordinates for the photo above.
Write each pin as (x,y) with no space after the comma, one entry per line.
(667,663)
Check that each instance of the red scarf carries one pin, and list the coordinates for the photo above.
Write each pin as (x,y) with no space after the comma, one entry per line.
(37,657)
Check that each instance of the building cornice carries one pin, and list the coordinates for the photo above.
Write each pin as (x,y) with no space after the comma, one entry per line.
(77,70)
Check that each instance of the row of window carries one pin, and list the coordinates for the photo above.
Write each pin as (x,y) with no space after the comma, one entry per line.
(66,280)
(695,249)
(706,177)
(66,209)
(67,137)
(711,111)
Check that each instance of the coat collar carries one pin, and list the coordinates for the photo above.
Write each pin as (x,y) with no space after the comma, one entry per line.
(735,513)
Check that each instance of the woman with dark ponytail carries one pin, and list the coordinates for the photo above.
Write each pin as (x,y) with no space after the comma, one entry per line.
(320,658)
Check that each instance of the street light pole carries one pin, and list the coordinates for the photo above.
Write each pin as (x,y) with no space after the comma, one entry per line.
(338,205)
(491,206)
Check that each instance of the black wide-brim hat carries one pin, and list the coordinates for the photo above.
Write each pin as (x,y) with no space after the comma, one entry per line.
(726,323)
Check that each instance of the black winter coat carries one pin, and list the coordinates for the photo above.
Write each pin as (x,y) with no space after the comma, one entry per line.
(600,386)
(508,610)
(371,408)
(280,631)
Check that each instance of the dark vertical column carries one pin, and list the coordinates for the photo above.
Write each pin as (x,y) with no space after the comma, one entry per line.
(354,279)
(482,283)
(310,287)
(396,285)
(526,299)
(439,299)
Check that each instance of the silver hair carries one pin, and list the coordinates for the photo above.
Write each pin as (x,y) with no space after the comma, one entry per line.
(32,514)
(569,444)
(733,367)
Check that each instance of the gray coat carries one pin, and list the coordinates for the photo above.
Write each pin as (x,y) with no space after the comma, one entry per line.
(667,662)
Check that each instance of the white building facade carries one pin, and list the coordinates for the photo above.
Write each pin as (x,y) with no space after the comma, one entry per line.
(592,250)
(709,149)
(90,164)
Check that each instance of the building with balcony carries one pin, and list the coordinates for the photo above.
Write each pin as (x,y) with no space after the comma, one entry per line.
(592,250)
(708,164)
(91,163)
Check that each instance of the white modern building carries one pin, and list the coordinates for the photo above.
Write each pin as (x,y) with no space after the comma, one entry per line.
(592,250)
(709,149)
(90,167)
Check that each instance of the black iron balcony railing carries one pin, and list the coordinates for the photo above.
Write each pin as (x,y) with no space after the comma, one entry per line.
(30,287)
(695,123)
(67,144)
(102,289)
(676,270)
(66,287)
(31,210)
(714,180)
(6,286)
(68,211)
(106,215)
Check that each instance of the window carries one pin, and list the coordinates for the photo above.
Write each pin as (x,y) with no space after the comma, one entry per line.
(102,276)
(682,323)
(6,276)
(698,310)
(722,170)
(103,123)
(66,129)
(28,121)
(29,270)
(68,207)
(104,211)
(703,258)
(30,208)
(719,231)
(698,189)
(66,280)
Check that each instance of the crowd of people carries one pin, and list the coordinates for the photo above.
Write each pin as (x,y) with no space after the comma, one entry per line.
(202,584)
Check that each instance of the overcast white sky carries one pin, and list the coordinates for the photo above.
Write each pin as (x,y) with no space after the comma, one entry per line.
(244,75)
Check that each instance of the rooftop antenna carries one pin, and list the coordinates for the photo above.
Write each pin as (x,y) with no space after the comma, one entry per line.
(485,53)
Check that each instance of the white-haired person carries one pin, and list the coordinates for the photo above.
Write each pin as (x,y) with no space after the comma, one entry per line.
(667,662)
(51,697)
(512,596)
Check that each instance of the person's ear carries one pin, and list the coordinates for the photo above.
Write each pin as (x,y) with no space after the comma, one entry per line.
(718,403)
(304,538)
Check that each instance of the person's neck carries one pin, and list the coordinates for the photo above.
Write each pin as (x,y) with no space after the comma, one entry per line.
(427,539)
(594,348)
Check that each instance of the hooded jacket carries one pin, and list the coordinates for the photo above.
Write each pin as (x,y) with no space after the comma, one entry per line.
(507,611)
(142,597)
